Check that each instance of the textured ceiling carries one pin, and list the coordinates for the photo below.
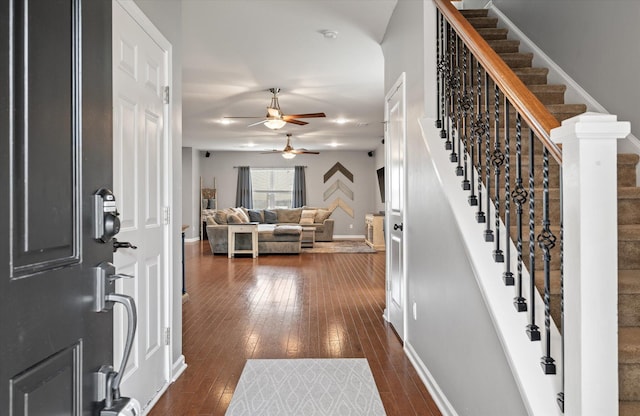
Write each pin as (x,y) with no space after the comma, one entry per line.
(234,51)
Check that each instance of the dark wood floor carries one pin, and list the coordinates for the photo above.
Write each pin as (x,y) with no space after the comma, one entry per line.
(286,306)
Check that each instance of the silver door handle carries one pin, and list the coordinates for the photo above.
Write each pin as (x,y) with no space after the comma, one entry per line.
(132,322)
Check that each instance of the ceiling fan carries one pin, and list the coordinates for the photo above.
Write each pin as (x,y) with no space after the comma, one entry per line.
(275,119)
(289,152)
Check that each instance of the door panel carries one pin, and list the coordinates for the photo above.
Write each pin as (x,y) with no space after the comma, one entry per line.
(395,151)
(139,174)
(55,152)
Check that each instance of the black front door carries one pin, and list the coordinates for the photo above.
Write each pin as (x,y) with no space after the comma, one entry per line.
(55,152)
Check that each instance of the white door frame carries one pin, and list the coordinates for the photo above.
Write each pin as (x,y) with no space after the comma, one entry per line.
(145,23)
(399,84)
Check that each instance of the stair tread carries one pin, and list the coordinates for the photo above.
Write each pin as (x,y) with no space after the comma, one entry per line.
(483,21)
(629,408)
(629,345)
(629,282)
(547,88)
(531,70)
(493,33)
(629,232)
(474,12)
(628,192)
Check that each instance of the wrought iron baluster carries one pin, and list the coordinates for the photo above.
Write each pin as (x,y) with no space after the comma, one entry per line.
(507,276)
(497,158)
(438,70)
(473,133)
(519,196)
(488,232)
(560,398)
(450,81)
(466,98)
(546,241)
(453,157)
(480,217)
(533,331)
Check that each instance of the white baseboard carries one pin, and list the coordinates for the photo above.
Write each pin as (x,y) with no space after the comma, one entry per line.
(436,393)
(178,368)
(348,237)
(148,406)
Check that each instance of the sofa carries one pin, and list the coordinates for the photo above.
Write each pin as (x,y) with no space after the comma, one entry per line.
(279,230)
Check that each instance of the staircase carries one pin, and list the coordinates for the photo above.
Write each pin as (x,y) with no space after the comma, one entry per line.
(552,96)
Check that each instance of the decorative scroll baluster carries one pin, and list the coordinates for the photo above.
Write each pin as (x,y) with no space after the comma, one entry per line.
(480,131)
(546,241)
(458,104)
(473,134)
(519,196)
(507,276)
(488,232)
(533,331)
(438,72)
(497,158)
(442,68)
(466,98)
(450,81)
(560,398)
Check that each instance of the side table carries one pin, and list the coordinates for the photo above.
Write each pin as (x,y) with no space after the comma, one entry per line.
(308,237)
(247,228)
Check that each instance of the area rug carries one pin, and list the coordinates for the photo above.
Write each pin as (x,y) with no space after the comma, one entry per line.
(340,246)
(309,387)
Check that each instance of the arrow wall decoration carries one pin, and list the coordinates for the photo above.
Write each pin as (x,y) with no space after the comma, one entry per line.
(339,203)
(338,185)
(338,168)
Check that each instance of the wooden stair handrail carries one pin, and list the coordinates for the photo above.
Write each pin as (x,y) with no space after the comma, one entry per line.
(539,119)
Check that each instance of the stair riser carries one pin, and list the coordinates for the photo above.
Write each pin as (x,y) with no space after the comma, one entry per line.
(483,22)
(505,46)
(493,34)
(533,79)
(517,61)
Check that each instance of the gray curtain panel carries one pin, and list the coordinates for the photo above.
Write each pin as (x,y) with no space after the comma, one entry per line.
(299,188)
(244,192)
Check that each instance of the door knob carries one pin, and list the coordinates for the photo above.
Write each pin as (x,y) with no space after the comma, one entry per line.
(398,227)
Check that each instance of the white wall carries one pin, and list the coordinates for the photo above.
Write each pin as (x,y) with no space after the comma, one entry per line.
(166,16)
(453,335)
(221,166)
(595,42)
(191,191)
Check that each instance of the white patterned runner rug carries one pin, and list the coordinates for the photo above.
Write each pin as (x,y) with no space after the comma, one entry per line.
(310,387)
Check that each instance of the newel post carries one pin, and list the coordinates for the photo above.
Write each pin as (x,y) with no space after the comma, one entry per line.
(589,159)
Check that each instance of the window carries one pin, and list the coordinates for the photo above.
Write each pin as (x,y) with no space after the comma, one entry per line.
(272,187)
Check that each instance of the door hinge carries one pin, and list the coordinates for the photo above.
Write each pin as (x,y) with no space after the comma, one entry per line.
(165,95)
(167,215)
(167,336)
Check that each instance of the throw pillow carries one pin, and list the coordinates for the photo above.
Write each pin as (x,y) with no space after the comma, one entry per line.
(234,219)
(210,220)
(321,215)
(220,217)
(240,212)
(270,217)
(255,215)
(307,217)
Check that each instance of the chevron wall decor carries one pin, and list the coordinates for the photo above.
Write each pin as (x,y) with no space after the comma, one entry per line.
(338,168)
(338,185)
(339,203)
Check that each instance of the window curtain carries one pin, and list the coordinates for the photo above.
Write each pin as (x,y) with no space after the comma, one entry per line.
(299,188)
(244,193)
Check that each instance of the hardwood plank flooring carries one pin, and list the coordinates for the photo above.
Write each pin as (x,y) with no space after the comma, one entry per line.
(281,306)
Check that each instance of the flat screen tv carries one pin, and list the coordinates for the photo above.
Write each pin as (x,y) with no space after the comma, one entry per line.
(380,173)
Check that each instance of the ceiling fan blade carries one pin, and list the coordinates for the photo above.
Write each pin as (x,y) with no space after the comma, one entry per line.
(309,115)
(304,151)
(294,121)
(256,123)
(244,117)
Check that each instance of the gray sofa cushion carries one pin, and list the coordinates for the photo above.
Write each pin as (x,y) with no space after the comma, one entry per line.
(256,215)
(287,230)
(289,215)
(270,217)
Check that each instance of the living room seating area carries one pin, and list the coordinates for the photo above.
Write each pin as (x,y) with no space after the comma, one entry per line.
(279,230)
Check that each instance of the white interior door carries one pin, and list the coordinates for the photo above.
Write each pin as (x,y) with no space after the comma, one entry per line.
(395,138)
(140,185)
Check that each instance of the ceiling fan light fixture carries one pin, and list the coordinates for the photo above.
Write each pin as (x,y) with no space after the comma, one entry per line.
(287,155)
(275,124)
